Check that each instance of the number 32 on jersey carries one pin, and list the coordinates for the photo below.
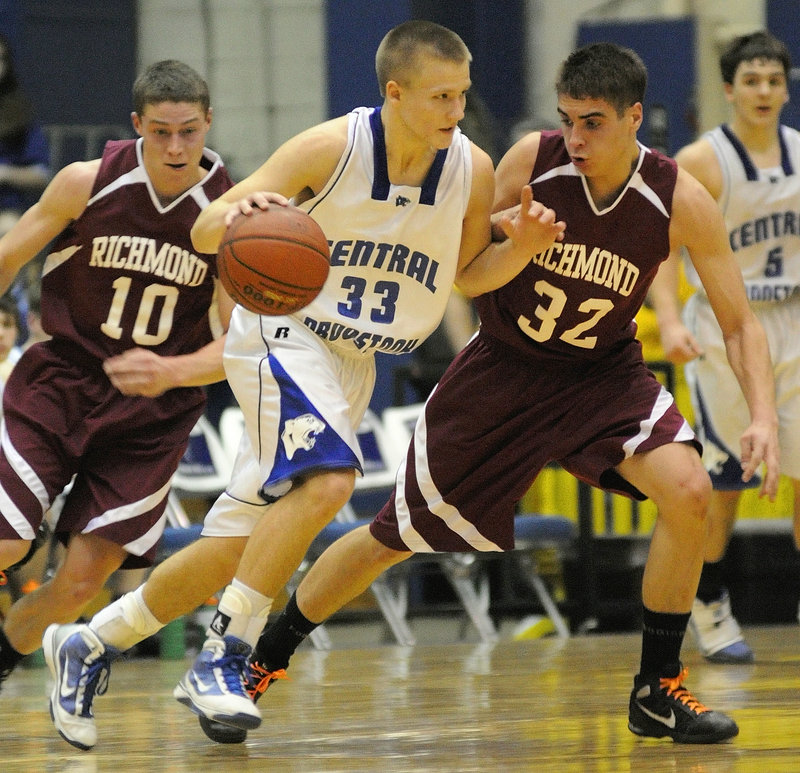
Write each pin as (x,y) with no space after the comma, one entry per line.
(554,301)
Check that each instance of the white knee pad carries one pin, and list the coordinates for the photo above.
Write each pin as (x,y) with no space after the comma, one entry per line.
(125,622)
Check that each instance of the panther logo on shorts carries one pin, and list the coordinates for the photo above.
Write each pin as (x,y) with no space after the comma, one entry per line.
(301,433)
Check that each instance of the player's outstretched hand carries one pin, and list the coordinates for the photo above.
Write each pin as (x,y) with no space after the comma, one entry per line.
(532,225)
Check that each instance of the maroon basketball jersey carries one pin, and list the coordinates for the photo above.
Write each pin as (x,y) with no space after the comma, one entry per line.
(125,274)
(578,299)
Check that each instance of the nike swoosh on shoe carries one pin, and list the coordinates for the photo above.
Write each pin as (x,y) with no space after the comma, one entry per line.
(667,721)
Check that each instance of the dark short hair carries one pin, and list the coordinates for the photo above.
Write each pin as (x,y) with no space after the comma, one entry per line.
(746,48)
(604,71)
(169,81)
(397,53)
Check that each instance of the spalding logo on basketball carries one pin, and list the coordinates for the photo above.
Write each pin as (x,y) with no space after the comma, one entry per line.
(274,261)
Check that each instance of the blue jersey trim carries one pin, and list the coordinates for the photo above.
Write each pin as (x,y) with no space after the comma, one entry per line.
(381,184)
(751,172)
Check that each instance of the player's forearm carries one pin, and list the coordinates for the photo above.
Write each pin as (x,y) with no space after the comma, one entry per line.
(494,267)
(209,227)
(518,233)
(663,293)
(748,353)
(201,367)
(7,277)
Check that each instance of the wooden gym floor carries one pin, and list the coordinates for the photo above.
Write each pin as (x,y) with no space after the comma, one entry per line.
(540,705)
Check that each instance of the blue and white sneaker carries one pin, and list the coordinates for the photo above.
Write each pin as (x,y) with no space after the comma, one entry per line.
(80,665)
(257,679)
(717,633)
(215,685)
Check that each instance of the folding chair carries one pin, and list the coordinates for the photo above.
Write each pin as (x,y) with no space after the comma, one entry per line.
(532,532)
(391,597)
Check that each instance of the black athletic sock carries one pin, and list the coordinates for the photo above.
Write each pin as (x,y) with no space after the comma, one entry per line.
(662,638)
(712,582)
(9,657)
(279,641)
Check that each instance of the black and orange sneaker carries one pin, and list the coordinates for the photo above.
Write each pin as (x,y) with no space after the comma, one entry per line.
(662,706)
(258,680)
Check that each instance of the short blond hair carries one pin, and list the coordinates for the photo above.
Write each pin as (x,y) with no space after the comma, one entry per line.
(397,53)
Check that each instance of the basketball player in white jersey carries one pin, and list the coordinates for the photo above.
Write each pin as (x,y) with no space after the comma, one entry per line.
(752,168)
(405,201)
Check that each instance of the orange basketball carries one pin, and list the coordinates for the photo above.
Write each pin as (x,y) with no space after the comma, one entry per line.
(274,261)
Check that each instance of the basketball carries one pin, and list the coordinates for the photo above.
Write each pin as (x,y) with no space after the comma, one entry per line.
(273,261)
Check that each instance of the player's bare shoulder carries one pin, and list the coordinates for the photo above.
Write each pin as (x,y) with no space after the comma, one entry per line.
(481,160)
(308,159)
(514,170)
(69,191)
(699,159)
(482,174)
(327,141)
(695,212)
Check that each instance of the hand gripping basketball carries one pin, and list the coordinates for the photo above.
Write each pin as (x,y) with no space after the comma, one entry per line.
(273,261)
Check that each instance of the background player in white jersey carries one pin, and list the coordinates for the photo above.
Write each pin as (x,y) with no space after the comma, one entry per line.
(405,200)
(751,166)
(556,374)
(111,397)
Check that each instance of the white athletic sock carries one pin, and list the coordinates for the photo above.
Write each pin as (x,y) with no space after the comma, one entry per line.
(125,622)
(247,610)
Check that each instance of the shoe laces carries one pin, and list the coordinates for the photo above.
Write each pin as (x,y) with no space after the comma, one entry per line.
(96,679)
(259,678)
(233,667)
(678,692)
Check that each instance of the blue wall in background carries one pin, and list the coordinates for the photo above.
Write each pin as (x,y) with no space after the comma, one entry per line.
(76,60)
(783,20)
(496,40)
(9,22)
(667,49)
(79,59)
(355,28)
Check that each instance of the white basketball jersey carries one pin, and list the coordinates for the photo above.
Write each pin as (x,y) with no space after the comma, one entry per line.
(394,248)
(762,214)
